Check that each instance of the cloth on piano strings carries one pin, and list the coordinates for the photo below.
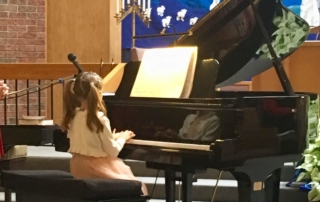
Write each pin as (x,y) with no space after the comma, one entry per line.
(180,15)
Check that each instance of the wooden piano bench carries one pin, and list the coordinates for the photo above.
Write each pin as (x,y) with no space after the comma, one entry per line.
(53,186)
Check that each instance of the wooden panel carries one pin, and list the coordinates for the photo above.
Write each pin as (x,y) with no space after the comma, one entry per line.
(302,68)
(83,27)
(114,32)
(48,71)
(305,68)
(260,83)
(86,28)
(268,80)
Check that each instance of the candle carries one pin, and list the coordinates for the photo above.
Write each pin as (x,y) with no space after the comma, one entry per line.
(139,2)
(123,6)
(128,1)
(117,8)
(144,5)
(149,4)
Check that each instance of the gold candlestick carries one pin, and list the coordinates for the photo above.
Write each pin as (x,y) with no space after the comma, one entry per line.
(133,9)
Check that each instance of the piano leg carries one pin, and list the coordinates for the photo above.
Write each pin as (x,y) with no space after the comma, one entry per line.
(187,180)
(272,185)
(170,180)
(250,192)
(7,195)
(259,182)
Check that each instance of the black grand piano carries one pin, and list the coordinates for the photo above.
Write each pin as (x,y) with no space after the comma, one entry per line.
(250,134)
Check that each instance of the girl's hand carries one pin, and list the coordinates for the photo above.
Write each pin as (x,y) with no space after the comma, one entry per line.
(127,135)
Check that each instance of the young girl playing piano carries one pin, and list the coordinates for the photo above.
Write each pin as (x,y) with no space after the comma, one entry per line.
(94,147)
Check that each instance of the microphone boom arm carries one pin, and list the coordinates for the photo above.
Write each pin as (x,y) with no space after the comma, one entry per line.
(59,81)
(72,58)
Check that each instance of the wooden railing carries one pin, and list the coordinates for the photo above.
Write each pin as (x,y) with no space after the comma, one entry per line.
(46,100)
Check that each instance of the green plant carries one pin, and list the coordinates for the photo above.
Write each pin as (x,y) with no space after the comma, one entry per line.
(310,166)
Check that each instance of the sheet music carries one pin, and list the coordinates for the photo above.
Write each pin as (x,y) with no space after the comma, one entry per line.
(166,73)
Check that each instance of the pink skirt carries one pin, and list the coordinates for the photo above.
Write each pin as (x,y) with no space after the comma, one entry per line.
(84,167)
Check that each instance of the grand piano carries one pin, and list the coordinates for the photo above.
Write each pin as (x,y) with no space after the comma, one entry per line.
(250,134)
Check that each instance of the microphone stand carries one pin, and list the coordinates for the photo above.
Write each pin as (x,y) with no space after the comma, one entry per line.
(72,58)
(38,87)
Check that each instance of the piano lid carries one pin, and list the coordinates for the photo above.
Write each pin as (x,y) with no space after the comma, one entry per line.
(230,34)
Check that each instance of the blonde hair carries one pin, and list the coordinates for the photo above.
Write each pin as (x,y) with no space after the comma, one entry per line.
(87,86)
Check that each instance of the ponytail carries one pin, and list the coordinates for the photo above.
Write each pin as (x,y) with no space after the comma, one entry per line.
(70,103)
(86,87)
(95,104)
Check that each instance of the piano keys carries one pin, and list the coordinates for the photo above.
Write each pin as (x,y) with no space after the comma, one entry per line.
(169,145)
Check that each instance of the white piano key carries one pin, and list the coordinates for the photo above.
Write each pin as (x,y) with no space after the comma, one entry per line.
(170,145)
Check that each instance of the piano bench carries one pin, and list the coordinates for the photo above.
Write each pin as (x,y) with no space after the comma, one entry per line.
(53,186)
(16,151)
(13,159)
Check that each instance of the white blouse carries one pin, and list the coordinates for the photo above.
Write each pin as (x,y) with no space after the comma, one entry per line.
(85,142)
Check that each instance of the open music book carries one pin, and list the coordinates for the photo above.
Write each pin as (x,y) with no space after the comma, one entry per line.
(166,73)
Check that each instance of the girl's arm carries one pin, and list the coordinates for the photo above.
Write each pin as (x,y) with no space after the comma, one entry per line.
(109,144)
(115,135)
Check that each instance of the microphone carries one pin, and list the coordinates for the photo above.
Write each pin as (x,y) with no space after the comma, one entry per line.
(73,58)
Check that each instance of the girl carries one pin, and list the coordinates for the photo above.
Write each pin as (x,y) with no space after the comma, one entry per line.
(94,147)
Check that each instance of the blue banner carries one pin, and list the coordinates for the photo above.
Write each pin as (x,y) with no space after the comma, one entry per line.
(176,15)
(294,5)
(180,15)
